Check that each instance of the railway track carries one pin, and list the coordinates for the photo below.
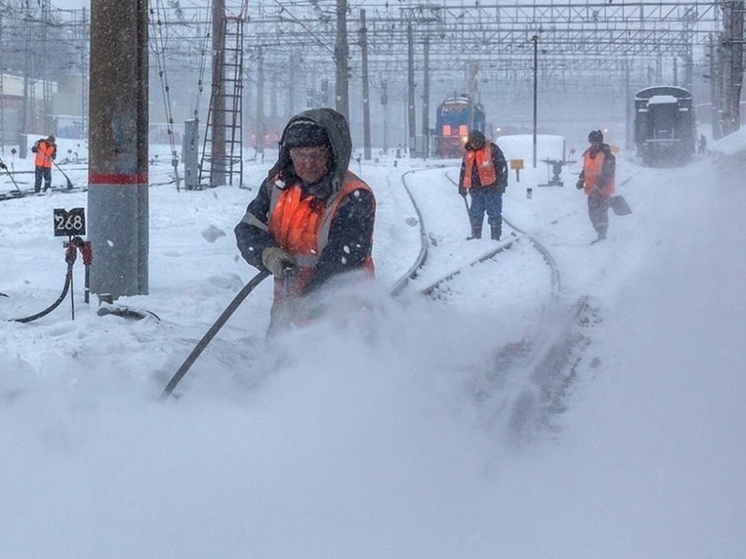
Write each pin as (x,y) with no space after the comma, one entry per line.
(513,236)
(527,381)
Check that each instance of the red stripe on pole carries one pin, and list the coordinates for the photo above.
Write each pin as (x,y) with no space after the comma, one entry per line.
(117,178)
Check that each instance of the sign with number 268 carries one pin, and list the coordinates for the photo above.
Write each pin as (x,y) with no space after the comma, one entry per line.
(68,223)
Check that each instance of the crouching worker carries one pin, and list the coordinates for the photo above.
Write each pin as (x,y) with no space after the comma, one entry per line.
(312,219)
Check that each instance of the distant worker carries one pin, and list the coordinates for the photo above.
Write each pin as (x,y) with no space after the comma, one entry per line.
(598,181)
(484,176)
(46,151)
(312,218)
(702,144)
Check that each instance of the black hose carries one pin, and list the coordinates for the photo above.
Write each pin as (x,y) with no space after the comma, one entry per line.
(207,338)
(50,308)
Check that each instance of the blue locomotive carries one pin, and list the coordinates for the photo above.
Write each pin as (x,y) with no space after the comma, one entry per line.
(456,116)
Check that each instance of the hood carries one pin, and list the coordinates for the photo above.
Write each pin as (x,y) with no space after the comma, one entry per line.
(339,137)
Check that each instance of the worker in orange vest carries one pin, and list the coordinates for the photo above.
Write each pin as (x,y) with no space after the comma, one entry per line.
(598,182)
(45,150)
(484,176)
(312,218)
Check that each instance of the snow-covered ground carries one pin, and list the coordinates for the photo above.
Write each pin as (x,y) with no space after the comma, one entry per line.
(359,436)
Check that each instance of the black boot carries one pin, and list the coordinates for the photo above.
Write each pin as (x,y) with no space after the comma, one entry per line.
(496,232)
(601,237)
(476,232)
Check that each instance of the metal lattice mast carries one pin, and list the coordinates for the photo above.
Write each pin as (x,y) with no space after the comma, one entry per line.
(224,130)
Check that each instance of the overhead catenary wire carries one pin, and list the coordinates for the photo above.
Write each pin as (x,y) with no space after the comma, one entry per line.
(159,45)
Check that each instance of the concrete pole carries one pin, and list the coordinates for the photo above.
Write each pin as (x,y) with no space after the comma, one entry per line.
(274,93)
(23,140)
(385,102)
(219,162)
(366,87)
(341,53)
(715,98)
(292,81)
(261,128)
(411,96)
(629,108)
(733,45)
(425,151)
(118,170)
(535,40)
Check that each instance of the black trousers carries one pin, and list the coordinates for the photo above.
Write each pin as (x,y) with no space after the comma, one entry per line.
(598,211)
(46,174)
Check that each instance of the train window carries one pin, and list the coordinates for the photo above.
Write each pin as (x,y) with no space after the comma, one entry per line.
(446,129)
(463,130)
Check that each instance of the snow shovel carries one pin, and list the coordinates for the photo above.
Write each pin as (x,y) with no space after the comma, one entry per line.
(468,210)
(468,214)
(18,190)
(207,338)
(69,182)
(619,205)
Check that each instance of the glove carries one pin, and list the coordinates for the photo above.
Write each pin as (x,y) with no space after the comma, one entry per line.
(579,185)
(462,191)
(277,261)
(3,165)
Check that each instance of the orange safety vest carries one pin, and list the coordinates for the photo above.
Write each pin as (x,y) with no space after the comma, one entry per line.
(44,153)
(300,226)
(592,167)
(485,166)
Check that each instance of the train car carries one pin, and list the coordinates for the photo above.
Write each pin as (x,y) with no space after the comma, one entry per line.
(456,116)
(665,126)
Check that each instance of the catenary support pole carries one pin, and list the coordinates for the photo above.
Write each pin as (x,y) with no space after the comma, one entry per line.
(219,164)
(425,151)
(535,40)
(411,121)
(341,52)
(366,86)
(118,173)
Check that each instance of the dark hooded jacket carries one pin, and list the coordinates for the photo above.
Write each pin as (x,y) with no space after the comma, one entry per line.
(351,229)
